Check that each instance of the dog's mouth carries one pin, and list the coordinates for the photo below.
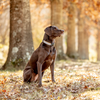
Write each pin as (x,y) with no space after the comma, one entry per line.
(61,34)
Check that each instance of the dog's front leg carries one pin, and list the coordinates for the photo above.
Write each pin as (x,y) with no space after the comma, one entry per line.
(41,58)
(39,67)
(52,71)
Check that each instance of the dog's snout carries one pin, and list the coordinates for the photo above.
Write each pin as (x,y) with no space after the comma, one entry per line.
(62,31)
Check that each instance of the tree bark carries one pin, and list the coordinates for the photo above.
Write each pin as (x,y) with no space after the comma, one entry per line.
(98,43)
(20,42)
(82,37)
(56,20)
(71,50)
(86,42)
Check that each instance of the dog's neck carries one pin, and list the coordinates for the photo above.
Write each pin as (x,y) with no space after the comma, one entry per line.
(48,41)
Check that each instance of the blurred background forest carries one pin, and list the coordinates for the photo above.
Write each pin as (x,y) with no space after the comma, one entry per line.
(80,19)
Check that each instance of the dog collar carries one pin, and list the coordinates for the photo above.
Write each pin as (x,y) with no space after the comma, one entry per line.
(48,43)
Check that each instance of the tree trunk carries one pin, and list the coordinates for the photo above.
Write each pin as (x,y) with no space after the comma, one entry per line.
(71,50)
(56,20)
(86,43)
(82,37)
(20,44)
(98,44)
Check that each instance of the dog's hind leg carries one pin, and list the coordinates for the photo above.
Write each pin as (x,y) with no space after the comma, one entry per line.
(34,77)
(37,77)
(27,74)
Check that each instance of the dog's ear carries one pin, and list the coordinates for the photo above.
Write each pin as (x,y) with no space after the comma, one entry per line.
(48,30)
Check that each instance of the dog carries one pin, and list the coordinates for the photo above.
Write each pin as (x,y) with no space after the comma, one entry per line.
(43,57)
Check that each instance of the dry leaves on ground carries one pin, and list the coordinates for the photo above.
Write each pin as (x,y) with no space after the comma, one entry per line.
(74,81)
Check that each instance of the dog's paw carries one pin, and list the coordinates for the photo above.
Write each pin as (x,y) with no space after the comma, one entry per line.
(39,85)
(53,81)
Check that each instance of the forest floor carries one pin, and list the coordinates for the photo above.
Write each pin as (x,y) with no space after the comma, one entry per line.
(75,80)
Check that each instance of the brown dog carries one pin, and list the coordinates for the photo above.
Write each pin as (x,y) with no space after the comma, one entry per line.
(43,57)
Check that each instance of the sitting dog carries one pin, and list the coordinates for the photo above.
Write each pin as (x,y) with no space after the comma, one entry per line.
(43,57)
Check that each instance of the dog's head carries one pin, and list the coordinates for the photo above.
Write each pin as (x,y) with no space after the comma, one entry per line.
(53,31)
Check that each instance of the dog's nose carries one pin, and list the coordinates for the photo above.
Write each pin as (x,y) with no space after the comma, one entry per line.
(62,31)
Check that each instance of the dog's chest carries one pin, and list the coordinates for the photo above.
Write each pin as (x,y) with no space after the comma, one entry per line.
(50,58)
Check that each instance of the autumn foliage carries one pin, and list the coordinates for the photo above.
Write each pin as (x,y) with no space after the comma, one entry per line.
(74,81)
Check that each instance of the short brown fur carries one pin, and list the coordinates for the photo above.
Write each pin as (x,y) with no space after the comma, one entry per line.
(43,57)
